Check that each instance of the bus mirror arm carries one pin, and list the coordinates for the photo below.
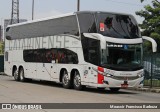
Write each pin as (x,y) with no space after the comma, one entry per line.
(154,44)
(98,37)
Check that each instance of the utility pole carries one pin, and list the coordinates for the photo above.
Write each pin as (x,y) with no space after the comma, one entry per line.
(78,5)
(15,12)
(32,9)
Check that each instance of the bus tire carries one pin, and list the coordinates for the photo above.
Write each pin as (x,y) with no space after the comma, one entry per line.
(21,75)
(101,88)
(114,89)
(65,80)
(15,74)
(77,81)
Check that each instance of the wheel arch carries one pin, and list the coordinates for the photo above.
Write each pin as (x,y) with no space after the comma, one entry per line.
(13,69)
(72,74)
(61,73)
(20,67)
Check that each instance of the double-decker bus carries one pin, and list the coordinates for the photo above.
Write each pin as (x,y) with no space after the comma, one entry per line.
(87,48)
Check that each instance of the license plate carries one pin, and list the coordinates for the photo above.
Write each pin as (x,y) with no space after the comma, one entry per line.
(124,85)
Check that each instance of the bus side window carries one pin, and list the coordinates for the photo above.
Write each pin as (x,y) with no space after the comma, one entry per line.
(66,56)
(91,50)
(35,56)
(6,56)
(75,59)
(28,55)
(38,58)
(48,56)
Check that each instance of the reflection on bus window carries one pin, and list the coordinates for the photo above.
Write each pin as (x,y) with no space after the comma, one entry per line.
(118,26)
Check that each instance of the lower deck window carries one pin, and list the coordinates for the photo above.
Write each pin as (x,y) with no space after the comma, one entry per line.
(50,55)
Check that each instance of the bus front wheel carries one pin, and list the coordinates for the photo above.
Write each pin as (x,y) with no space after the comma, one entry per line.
(77,81)
(65,80)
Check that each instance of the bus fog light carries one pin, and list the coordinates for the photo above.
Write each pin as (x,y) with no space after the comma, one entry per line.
(107,75)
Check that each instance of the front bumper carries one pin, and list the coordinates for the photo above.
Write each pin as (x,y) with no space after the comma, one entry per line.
(113,83)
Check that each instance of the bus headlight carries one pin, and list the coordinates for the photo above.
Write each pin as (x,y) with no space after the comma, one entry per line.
(107,74)
(140,74)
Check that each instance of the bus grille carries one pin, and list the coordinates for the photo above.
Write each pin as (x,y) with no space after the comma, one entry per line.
(125,78)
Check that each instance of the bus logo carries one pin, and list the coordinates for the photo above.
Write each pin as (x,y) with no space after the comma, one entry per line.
(101,26)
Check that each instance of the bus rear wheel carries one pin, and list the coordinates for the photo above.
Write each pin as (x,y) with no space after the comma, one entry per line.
(114,89)
(77,81)
(16,75)
(21,75)
(65,80)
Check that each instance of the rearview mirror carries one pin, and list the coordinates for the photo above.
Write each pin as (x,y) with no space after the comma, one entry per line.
(154,44)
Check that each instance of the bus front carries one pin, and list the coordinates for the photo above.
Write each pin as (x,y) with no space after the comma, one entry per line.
(118,49)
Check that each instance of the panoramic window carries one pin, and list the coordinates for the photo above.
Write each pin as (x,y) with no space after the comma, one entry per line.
(64,25)
(117,26)
(87,23)
(122,57)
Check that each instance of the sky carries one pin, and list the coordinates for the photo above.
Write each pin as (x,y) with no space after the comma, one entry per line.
(46,8)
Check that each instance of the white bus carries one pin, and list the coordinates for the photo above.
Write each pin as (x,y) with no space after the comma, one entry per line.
(98,49)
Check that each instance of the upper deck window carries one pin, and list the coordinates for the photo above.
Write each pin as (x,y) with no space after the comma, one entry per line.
(117,26)
(87,23)
(64,25)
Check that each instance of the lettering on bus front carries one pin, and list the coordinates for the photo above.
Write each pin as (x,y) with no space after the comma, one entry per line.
(43,42)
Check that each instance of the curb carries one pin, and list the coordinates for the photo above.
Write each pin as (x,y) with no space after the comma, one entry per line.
(154,90)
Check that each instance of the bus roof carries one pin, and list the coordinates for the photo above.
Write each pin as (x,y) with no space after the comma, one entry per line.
(63,15)
(102,12)
(42,19)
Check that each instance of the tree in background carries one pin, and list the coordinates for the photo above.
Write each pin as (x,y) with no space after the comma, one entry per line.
(1,47)
(151,23)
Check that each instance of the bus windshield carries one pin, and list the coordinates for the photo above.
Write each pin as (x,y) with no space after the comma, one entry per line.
(122,57)
(117,26)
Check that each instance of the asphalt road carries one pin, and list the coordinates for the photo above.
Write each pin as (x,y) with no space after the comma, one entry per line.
(48,92)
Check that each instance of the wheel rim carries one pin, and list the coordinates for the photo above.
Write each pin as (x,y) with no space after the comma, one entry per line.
(77,80)
(16,74)
(65,79)
(21,75)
